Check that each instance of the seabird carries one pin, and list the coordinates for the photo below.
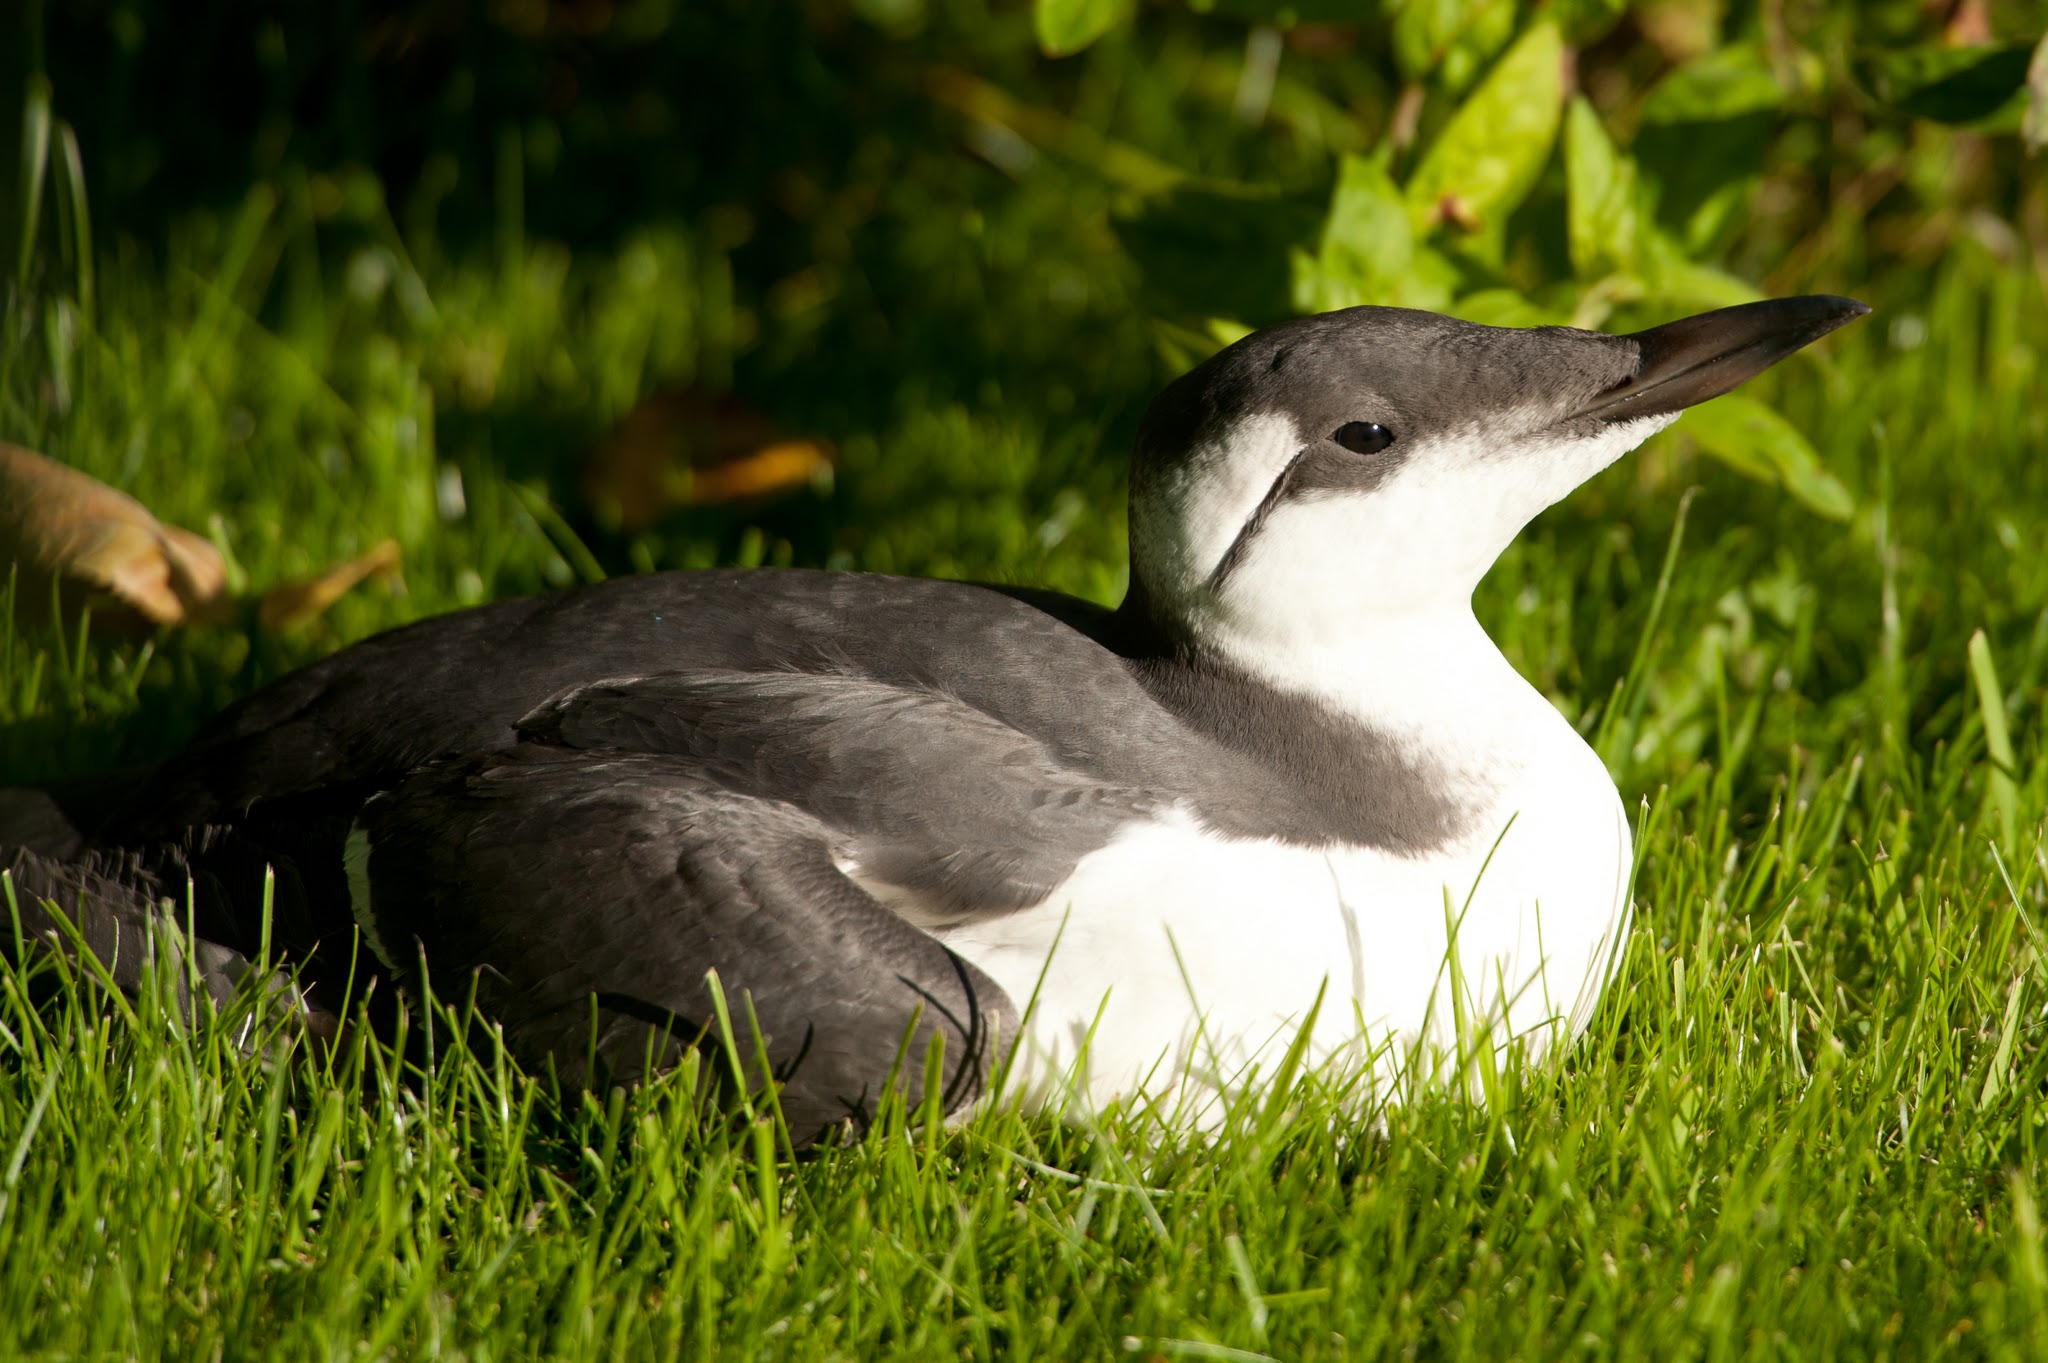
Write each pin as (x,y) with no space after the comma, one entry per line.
(1290,767)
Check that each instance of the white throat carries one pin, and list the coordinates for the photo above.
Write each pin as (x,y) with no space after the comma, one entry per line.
(1432,681)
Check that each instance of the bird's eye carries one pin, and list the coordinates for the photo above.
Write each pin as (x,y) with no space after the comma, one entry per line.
(1363,437)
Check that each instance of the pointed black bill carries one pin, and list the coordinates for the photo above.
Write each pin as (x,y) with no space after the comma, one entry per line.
(1696,358)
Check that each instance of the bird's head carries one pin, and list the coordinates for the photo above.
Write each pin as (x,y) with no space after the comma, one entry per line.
(1331,471)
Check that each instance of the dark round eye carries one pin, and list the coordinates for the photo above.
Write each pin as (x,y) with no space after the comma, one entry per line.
(1363,437)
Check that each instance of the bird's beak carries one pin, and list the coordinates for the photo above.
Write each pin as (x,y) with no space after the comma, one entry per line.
(1696,358)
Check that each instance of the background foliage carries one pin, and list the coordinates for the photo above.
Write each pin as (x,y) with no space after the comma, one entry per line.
(398,267)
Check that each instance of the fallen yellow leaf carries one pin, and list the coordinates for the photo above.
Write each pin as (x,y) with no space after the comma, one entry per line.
(776,468)
(685,447)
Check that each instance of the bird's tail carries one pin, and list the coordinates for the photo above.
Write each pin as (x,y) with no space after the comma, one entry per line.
(62,892)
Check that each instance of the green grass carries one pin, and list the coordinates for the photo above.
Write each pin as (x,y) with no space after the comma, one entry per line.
(1807,1118)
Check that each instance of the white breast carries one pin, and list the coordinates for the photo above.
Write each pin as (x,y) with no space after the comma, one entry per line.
(1178,964)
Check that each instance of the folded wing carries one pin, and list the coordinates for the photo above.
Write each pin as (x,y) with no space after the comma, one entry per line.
(650,830)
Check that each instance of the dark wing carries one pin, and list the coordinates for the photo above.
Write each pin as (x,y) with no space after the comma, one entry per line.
(921,791)
(599,888)
(340,729)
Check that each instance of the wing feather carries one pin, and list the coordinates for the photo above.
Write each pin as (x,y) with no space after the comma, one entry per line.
(557,877)
(923,792)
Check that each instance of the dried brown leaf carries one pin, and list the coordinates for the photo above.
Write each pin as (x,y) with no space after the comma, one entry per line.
(100,547)
(294,605)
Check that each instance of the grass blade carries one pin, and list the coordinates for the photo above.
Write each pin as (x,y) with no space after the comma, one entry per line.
(2004,792)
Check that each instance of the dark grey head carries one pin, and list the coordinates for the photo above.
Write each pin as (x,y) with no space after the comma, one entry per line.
(1377,460)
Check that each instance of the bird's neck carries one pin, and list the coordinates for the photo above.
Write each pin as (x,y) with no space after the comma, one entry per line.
(1433,678)
(1430,680)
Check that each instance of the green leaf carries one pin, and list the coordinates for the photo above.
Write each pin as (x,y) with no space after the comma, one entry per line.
(1180,348)
(1601,219)
(1368,225)
(1423,30)
(1286,13)
(1977,87)
(1368,253)
(1491,29)
(1758,443)
(1450,40)
(1227,330)
(1506,308)
(1706,130)
(1585,21)
(1671,280)
(1486,159)
(1066,26)
(1725,84)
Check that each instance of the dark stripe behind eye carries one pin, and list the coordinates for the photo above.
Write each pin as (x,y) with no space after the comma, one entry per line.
(1241,546)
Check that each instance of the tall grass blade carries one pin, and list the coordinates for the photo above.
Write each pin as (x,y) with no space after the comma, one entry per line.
(33,167)
(75,215)
(2004,792)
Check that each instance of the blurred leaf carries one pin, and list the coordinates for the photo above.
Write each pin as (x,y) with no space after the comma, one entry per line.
(1450,39)
(1584,21)
(1601,215)
(1288,13)
(1368,218)
(772,469)
(2034,129)
(1118,162)
(1736,80)
(1181,348)
(682,447)
(1505,308)
(1758,443)
(1704,134)
(1066,26)
(1680,30)
(68,528)
(1981,87)
(1674,281)
(901,18)
(1227,331)
(1422,30)
(1368,252)
(1486,159)
(1491,29)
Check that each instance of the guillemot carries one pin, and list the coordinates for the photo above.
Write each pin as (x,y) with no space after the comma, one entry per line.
(1290,767)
